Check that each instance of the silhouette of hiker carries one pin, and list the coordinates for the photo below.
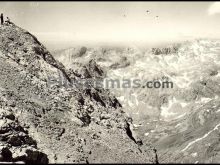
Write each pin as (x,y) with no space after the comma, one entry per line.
(2,19)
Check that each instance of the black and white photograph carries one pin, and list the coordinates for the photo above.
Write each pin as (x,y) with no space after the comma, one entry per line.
(117,82)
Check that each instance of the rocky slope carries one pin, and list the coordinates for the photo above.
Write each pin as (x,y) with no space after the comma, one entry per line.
(49,122)
(181,122)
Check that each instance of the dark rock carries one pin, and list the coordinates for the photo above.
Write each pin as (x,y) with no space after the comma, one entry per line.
(36,157)
(10,116)
(15,141)
(6,154)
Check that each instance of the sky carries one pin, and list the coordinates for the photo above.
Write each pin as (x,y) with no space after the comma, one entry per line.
(64,24)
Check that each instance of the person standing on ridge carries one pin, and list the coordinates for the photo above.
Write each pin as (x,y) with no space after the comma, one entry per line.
(2,19)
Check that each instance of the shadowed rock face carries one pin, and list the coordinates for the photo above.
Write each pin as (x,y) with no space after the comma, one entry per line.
(44,122)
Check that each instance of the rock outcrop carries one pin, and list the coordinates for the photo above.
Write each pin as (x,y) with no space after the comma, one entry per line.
(16,144)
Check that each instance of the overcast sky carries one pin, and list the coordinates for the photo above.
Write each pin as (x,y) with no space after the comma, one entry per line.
(66,23)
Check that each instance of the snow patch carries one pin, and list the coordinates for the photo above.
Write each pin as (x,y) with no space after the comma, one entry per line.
(146,134)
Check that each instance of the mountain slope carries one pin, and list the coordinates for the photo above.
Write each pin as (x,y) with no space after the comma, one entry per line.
(68,124)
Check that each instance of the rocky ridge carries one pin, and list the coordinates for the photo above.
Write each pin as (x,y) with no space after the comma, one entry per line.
(52,123)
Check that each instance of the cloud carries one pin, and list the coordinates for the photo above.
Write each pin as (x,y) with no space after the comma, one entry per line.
(214,8)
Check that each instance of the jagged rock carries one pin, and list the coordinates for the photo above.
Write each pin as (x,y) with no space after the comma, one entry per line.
(14,138)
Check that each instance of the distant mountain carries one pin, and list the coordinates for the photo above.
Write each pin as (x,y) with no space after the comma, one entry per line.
(181,122)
